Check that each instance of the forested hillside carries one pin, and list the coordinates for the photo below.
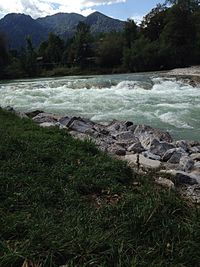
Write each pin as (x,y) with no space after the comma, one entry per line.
(168,37)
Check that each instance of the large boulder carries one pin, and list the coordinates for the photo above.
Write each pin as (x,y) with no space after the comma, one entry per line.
(140,160)
(66,121)
(116,150)
(186,164)
(150,155)
(185,178)
(147,134)
(164,182)
(46,117)
(181,177)
(185,145)
(136,148)
(195,156)
(174,155)
(32,114)
(82,126)
(125,138)
(119,126)
(160,147)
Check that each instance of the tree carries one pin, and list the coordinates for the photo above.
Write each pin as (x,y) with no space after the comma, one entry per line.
(143,56)
(130,33)
(177,38)
(30,65)
(154,22)
(3,53)
(110,50)
(189,5)
(52,50)
(81,47)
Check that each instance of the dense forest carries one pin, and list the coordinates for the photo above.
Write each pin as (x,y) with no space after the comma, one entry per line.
(168,37)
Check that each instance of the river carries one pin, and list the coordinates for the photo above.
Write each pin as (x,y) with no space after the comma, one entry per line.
(142,98)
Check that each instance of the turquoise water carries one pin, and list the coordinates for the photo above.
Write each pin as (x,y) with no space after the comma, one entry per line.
(142,98)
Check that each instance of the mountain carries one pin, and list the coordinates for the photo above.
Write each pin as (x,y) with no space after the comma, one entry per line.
(62,24)
(98,22)
(18,26)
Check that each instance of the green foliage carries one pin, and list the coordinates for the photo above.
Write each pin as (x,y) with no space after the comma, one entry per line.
(81,50)
(154,22)
(142,56)
(109,50)
(52,50)
(28,59)
(3,53)
(168,37)
(130,33)
(178,36)
(62,202)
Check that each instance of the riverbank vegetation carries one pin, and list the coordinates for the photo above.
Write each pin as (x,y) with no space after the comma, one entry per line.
(63,202)
(168,37)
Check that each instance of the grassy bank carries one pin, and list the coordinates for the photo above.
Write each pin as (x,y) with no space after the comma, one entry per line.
(64,202)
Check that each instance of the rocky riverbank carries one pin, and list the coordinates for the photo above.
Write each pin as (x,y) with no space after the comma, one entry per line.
(142,146)
(189,74)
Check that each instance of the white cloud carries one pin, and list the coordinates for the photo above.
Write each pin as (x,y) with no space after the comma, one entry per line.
(40,8)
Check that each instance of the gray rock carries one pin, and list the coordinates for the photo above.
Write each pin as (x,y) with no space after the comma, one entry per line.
(197,165)
(149,155)
(194,149)
(132,128)
(21,115)
(144,162)
(47,124)
(146,134)
(181,177)
(185,178)
(103,146)
(32,114)
(126,135)
(196,174)
(117,150)
(183,144)
(175,158)
(81,125)
(193,193)
(118,126)
(80,136)
(165,183)
(173,155)
(46,117)
(101,129)
(160,147)
(168,154)
(195,156)
(136,148)
(66,121)
(186,163)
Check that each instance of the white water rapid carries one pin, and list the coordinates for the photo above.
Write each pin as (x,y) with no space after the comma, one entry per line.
(142,98)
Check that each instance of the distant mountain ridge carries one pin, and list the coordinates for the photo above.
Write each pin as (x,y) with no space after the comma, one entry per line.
(18,26)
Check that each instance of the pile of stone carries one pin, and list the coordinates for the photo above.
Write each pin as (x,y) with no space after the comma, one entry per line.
(141,145)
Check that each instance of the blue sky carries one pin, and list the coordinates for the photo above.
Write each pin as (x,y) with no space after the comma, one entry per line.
(121,9)
(129,9)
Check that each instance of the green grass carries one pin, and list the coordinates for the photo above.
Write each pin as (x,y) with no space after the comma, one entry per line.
(62,202)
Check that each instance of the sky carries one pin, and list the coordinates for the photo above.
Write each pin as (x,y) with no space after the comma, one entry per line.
(120,9)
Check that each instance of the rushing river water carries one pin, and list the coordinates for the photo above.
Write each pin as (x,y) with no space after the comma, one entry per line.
(142,98)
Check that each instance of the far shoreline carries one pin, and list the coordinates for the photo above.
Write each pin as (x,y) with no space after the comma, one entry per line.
(191,73)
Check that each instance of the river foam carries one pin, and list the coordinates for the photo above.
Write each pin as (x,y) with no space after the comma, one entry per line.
(161,102)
